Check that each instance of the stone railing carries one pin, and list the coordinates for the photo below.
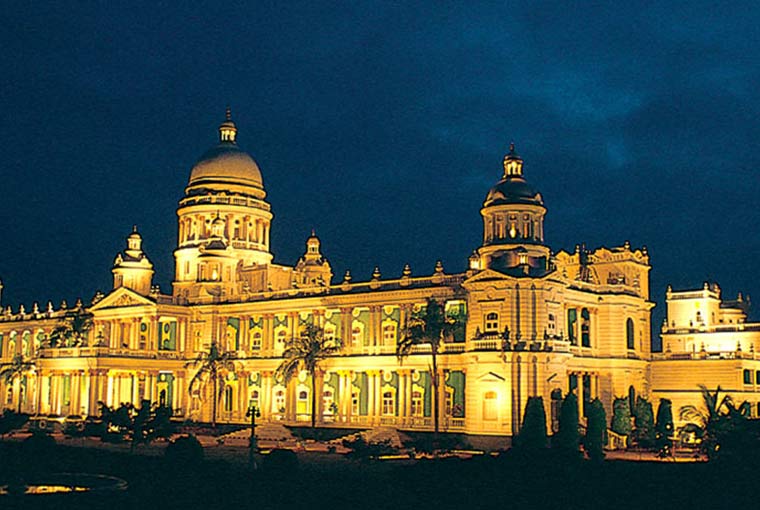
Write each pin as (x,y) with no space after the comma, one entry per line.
(105,352)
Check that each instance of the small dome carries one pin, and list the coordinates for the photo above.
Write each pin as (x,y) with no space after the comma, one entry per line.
(513,190)
(226,163)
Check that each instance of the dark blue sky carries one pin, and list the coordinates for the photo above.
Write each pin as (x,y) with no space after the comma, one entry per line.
(382,126)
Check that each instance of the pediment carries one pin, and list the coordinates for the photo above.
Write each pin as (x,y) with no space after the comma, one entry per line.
(491,377)
(487,275)
(121,298)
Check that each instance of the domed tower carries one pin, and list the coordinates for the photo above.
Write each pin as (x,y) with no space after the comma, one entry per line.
(224,221)
(132,269)
(513,224)
(313,269)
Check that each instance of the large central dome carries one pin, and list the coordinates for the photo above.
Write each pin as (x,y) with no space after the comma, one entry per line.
(226,165)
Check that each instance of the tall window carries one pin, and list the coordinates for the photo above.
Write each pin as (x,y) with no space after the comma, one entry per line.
(355,403)
(279,401)
(389,403)
(585,328)
(630,334)
(492,322)
(256,341)
(417,409)
(228,399)
(327,402)
(572,318)
(490,412)
(389,334)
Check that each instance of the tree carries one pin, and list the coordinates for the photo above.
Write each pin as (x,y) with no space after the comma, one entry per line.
(71,330)
(596,430)
(621,416)
(430,327)
(716,421)
(211,366)
(568,437)
(664,424)
(305,352)
(532,436)
(16,369)
(644,422)
(142,424)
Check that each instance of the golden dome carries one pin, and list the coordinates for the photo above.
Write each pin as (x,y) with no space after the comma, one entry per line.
(226,163)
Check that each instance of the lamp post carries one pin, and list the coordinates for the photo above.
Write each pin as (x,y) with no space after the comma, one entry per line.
(253,413)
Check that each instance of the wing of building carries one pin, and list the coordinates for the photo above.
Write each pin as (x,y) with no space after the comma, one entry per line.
(531,323)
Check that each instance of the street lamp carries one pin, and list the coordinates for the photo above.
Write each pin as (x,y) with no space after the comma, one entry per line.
(253,413)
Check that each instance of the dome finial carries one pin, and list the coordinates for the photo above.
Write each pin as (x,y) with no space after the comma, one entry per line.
(227,129)
(134,229)
(512,162)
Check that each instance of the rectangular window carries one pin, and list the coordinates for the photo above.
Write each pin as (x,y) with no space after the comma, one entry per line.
(747,376)
(757,377)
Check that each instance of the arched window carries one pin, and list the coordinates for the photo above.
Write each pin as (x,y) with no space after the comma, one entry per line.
(630,334)
(492,322)
(256,341)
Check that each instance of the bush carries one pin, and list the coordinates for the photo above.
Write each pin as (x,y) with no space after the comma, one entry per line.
(361,449)
(532,436)
(10,421)
(621,416)
(184,450)
(567,438)
(644,422)
(595,432)
(281,462)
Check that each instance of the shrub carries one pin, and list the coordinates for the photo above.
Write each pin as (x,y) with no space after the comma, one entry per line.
(532,436)
(644,422)
(567,438)
(10,421)
(184,450)
(361,449)
(595,432)
(621,416)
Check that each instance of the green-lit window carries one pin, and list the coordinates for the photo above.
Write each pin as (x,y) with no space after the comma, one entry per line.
(747,376)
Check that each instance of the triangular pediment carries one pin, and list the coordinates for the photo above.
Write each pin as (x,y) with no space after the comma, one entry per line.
(121,298)
(487,275)
(490,377)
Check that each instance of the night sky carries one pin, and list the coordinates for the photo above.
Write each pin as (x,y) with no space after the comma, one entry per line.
(382,126)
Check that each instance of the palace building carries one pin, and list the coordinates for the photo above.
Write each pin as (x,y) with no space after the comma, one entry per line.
(536,323)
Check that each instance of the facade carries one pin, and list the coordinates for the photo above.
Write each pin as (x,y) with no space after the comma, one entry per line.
(537,323)
(707,341)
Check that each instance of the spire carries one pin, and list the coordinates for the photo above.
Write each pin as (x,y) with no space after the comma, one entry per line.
(227,129)
(512,163)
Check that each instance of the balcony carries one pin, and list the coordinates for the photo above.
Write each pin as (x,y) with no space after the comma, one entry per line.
(105,352)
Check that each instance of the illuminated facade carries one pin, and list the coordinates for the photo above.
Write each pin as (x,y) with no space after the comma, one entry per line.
(537,322)
(707,341)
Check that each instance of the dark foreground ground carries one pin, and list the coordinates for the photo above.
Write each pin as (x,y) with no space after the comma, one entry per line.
(331,481)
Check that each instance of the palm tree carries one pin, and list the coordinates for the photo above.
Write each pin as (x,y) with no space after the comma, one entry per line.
(305,352)
(717,418)
(71,330)
(15,370)
(430,327)
(211,366)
